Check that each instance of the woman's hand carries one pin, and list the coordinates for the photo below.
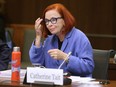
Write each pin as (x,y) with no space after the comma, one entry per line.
(57,54)
(38,32)
(38,26)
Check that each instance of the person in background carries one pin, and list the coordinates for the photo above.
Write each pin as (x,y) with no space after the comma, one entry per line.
(2,28)
(5,34)
(5,46)
(60,38)
(5,53)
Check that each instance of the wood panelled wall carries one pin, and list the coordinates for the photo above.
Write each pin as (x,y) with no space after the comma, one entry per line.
(18,33)
(92,17)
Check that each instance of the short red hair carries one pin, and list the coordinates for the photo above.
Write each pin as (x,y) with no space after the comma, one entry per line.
(65,14)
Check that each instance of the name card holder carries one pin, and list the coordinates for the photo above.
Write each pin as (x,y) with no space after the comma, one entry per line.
(40,83)
(45,84)
(45,76)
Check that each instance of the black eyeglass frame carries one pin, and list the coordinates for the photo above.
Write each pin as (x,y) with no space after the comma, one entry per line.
(53,20)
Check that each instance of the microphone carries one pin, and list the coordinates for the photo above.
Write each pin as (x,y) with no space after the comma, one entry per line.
(66,80)
(64,60)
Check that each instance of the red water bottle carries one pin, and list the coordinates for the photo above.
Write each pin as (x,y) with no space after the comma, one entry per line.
(15,64)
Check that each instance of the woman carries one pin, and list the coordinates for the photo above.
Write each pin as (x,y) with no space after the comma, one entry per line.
(61,38)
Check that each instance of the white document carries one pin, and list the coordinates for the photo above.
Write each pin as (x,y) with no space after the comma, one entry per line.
(7,73)
(88,80)
(81,79)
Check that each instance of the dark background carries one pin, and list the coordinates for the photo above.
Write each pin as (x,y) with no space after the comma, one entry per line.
(96,18)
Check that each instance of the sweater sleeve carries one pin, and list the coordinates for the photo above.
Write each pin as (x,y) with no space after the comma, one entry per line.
(36,54)
(82,65)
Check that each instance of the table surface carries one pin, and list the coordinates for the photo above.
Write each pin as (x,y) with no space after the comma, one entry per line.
(4,82)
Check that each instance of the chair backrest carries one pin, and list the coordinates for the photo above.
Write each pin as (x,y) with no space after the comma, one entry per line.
(101,59)
(112,53)
(29,35)
(9,37)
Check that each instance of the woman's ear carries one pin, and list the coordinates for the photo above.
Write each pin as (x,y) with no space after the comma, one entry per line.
(63,23)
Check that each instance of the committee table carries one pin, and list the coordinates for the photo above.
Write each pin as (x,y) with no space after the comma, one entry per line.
(112,70)
(4,82)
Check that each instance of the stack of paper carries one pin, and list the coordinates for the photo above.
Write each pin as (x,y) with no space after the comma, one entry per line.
(7,73)
(83,79)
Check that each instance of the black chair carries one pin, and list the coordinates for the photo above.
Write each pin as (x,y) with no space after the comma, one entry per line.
(29,35)
(112,53)
(9,37)
(9,40)
(101,59)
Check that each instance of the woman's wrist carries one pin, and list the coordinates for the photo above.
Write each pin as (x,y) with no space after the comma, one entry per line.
(37,41)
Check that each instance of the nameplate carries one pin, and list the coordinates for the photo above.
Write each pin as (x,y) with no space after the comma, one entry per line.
(36,74)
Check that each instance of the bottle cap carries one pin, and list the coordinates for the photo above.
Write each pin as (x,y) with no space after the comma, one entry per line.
(16,49)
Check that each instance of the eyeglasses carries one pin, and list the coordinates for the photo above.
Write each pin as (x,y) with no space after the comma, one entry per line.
(53,20)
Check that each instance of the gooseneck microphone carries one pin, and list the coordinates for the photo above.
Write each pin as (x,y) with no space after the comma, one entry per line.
(64,60)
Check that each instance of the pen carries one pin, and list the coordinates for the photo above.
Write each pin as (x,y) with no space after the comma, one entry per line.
(64,60)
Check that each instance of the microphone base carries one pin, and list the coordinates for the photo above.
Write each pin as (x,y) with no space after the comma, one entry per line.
(67,81)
